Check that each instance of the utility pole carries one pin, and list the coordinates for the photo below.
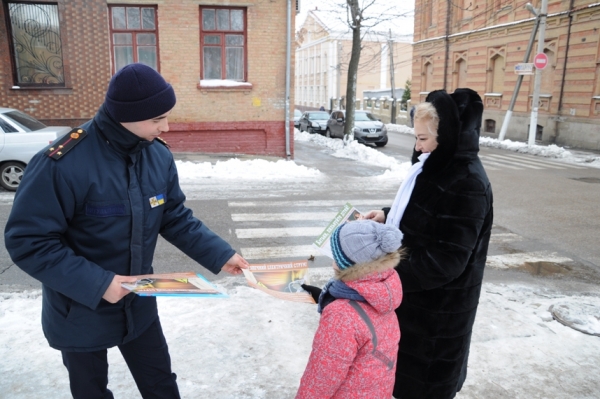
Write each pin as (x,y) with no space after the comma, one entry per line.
(391,45)
(447,40)
(538,74)
(339,72)
(506,121)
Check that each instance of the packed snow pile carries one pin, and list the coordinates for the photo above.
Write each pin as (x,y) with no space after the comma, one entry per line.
(359,152)
(235,168)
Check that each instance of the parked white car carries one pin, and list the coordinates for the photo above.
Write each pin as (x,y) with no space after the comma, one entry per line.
(21,137)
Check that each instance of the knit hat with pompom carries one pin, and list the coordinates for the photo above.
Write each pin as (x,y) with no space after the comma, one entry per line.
(363,241)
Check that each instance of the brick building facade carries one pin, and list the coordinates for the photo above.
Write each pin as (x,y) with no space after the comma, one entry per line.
(226,61)
(477,43)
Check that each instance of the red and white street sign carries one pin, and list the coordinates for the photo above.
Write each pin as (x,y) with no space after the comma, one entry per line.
(540,61)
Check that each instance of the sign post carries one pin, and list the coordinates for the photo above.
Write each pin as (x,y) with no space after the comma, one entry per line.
(542,60)
(508,115)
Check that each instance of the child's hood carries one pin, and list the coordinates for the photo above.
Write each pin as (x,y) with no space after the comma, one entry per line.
(382,290)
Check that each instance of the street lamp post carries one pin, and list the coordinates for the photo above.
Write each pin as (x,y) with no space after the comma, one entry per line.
(513,100)
(538,75)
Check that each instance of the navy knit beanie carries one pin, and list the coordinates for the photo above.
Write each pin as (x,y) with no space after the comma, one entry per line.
(137,93)
(362,241)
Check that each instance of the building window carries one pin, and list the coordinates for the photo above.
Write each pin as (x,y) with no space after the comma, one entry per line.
(223,42)
(133,36)
(498,72)
(428,14)
(460,71)
(36,44)
(489,126)
(427,82)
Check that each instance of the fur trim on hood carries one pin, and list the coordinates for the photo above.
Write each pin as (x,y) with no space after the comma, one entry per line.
(388,261)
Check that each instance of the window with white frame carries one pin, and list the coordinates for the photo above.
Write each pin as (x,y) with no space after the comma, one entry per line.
(133,36)
(223,36)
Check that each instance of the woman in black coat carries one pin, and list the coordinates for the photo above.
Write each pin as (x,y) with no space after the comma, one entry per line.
(446,224)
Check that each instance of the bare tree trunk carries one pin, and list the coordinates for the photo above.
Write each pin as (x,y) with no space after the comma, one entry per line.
(355,13)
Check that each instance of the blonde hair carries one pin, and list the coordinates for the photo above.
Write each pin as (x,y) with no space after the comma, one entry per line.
(427,113)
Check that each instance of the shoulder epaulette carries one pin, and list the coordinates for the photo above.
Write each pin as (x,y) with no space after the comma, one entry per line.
(65,143)
(163,142)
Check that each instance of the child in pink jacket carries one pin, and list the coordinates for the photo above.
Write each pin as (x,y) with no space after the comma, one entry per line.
(356,344)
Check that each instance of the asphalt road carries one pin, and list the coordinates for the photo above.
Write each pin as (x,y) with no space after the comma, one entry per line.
(543,209)
(553,208)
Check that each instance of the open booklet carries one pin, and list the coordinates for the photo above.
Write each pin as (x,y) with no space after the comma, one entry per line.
(282,280)
(174,284)
(347,213)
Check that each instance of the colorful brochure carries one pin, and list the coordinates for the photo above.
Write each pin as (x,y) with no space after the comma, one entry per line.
(174,284)
(347,213)
(282,280)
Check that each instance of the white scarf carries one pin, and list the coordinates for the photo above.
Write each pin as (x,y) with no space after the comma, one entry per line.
(404,192)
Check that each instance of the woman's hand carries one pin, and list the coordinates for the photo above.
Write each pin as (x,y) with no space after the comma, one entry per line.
(376,216)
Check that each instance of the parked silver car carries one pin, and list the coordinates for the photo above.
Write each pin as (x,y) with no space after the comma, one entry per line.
(297,116)
(21,137)
(367,128)
(314,121)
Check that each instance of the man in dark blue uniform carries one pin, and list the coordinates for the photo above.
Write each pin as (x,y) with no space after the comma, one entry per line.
(86,218)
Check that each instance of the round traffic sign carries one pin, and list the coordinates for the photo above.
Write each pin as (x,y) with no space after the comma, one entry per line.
(540,61)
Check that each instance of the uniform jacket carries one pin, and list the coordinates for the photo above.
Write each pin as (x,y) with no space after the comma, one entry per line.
(96,212)
(446,226)
(342,364)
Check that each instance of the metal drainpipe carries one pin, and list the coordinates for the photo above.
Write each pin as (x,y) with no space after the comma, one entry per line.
(287,79)
(562,83)
(447,55)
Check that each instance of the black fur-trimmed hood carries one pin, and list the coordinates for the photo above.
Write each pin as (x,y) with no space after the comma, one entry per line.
(459,127)
(470,111)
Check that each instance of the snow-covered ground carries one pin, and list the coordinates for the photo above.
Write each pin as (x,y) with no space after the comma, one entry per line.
(251,345)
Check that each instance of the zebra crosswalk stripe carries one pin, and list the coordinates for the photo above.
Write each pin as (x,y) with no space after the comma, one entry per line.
(530,161)
(289,251)
(279,232)
(254,217)
(324,203)
(518,164)
(488,167)
(488,162)
(493,161)
(545,161)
